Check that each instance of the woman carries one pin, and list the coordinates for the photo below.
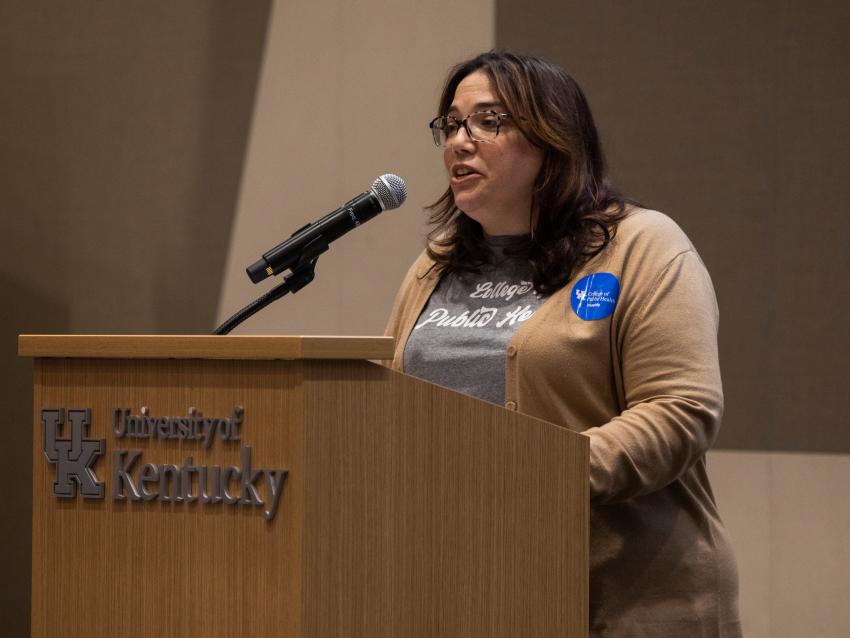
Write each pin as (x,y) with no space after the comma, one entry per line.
(546,290)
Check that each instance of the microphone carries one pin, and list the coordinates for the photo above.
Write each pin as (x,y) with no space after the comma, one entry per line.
(388,192)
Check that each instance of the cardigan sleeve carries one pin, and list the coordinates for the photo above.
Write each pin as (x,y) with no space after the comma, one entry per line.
(671,384)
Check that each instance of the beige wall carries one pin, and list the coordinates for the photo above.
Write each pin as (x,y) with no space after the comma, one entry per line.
(788,516)
(346,93)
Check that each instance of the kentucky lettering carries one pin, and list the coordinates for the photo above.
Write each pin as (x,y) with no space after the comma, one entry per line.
(186,483)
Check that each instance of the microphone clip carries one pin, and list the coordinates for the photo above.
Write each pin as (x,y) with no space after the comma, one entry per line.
(301,274)
(304,270)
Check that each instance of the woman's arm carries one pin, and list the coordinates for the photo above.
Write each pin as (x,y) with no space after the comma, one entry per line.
(671,384)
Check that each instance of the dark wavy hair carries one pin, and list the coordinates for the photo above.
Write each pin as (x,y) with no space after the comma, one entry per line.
(575,208)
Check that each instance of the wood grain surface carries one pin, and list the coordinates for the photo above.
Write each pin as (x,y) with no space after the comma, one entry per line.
(440,515)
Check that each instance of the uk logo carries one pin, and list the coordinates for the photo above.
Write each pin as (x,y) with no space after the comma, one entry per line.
(73,456)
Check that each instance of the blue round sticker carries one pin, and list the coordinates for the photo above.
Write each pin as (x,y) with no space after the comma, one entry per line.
(595,296)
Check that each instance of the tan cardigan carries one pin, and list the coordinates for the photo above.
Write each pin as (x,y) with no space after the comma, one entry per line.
(644,385)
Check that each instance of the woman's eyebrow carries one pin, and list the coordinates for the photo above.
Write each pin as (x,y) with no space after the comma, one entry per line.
(478,106)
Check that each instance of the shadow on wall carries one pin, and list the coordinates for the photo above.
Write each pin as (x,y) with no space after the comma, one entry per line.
(26,311)
(191,259)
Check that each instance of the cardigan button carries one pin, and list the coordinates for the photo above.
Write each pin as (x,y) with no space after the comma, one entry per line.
(511,351)
(511,405)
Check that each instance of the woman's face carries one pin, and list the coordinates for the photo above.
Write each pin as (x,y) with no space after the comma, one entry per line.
(493,181)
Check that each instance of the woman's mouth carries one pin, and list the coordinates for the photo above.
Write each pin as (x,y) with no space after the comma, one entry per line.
(463,174)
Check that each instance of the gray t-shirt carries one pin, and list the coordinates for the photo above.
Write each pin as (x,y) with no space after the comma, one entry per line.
(459,340)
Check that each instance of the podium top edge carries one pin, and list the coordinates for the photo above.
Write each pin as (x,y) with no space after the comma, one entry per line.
(204,347)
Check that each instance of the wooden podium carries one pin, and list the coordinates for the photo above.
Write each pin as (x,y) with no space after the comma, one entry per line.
(402,509)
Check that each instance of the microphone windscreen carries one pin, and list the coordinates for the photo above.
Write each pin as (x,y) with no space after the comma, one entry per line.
(390,190)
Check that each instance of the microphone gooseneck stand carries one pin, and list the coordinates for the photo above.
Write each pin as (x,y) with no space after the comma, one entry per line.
(302,273)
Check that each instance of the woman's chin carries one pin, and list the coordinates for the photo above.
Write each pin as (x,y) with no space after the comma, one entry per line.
(469,205)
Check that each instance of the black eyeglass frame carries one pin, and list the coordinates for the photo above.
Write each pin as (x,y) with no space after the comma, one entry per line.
(500,117)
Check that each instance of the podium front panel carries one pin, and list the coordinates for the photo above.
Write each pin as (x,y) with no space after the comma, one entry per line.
(305,497)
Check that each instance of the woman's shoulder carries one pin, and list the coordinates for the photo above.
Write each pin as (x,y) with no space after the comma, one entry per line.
(643,229)
(415,288)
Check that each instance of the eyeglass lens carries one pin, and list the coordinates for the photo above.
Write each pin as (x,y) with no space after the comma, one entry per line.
(481,127)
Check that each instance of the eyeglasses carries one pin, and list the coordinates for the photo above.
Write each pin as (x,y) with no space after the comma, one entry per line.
(481,126)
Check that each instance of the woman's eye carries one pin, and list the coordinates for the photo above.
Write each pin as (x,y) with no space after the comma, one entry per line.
(489,122)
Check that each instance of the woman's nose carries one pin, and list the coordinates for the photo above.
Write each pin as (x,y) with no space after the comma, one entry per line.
(461,141)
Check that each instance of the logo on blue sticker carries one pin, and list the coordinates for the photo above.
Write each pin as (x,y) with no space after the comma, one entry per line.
(595,296)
